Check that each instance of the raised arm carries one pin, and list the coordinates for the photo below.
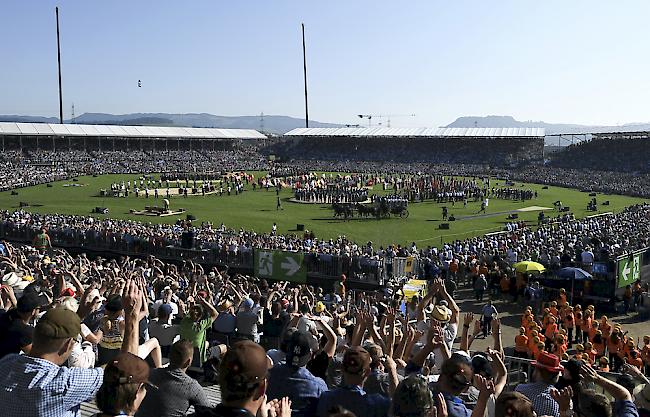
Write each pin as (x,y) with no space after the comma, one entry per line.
(132,300)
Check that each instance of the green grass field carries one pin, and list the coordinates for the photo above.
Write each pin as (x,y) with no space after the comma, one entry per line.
(256,210)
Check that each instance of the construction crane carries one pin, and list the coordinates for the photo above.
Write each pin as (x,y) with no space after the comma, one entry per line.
(382,116)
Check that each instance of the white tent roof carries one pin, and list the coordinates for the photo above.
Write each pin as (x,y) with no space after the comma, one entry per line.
(526,132)
(51,129)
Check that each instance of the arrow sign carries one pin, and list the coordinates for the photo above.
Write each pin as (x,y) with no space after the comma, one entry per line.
(629,270)
(626,272)
(290,266)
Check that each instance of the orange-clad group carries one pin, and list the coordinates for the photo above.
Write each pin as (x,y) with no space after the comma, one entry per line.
(576,332)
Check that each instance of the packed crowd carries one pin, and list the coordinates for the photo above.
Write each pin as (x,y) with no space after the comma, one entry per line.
(597,341)
(606,154)
(494,151)
(136,334)
(552,244)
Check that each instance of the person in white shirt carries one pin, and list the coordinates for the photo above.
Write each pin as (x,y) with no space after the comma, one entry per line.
(167,298)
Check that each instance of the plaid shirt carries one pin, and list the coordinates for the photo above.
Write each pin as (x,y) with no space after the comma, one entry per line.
(36,387)
(539,393)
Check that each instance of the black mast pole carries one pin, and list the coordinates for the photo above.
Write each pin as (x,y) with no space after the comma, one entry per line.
(58,53)
(304,67)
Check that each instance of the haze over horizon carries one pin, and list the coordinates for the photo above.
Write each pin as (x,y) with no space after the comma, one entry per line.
(583,62)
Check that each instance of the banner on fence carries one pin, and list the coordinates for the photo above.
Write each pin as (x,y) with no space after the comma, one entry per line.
(280,266)
(629,270)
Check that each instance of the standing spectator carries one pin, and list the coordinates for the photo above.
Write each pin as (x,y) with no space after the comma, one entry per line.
(293,380)
(489,313)
(193,327)
(247,321)
(162,329)
(351,396)
(545,376)
(480,285)
(42,241)
(176,391)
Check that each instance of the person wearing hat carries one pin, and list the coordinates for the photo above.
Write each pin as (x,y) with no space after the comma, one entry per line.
(163,329)
(546,374)
(36,378)
(244,381)
(247,321)
(292,379)
(351,396)
(15,326)
(223,327)
(125,385)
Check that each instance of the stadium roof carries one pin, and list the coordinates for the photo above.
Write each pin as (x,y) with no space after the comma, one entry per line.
(51,129)
(484,132)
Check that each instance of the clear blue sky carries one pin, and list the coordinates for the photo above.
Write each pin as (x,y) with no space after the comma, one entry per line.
(553,60)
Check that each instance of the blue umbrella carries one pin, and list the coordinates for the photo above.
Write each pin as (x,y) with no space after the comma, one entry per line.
(574,273)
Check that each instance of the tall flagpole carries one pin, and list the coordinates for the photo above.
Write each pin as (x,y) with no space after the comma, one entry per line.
(304,67)
(58,53)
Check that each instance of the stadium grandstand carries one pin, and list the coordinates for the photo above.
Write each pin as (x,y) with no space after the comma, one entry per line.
(499,146)
(611,151)
(50,136)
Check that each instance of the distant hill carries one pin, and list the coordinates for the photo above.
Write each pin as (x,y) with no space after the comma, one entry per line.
(272,123)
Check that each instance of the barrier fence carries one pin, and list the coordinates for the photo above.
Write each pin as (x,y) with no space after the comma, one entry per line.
(318,266)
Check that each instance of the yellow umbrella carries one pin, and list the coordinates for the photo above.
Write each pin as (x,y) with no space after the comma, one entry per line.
(529,266)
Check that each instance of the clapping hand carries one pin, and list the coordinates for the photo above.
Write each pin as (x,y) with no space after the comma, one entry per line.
(563,397)
(484,385)
(468,319)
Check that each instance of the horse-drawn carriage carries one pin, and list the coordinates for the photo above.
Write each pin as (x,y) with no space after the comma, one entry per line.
(382,207)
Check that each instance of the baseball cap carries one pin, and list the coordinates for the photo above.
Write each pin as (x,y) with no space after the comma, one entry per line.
(481,365)
(128,368)
(244,363)
(248,304)
(28,302)
(165,309)
(356,360)
(114,303)
(299,349)
(59,323)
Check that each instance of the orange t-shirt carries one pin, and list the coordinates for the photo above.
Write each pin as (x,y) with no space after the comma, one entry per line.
(553,311)
(600,349)
(505,284)
(645,354)
(606,329)
(551,330)
(562,299)
(636,362)
(578,318)
(613,347)
(521,343)
(592,355)
(592,333)
(586,324)
(560,350)
(568,320)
